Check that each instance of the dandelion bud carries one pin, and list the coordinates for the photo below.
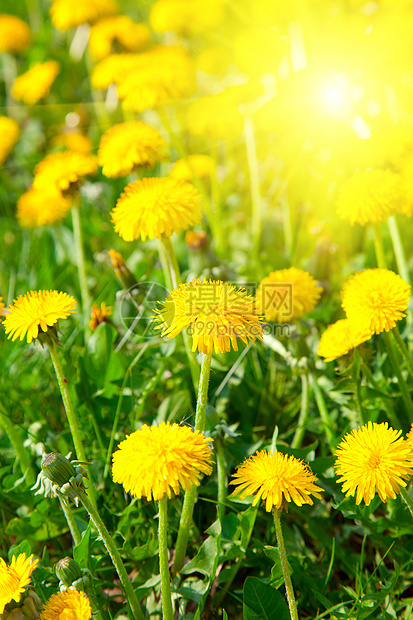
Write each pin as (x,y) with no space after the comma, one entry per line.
(68,571)
(58,469)
(123,274)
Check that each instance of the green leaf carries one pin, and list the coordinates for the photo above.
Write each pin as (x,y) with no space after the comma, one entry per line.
(224,615)
(263,602)
(98,353)
(16,550)
(81,552)
(203,562)
(277,577)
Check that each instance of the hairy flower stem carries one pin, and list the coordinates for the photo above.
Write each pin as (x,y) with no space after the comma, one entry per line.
(71,416)
(190,496)
(80,261)
(325,418)
(115,557)
(175,276)
(284,565)
(379,247)
(305,406)
(398,249)
(396,369)
(407,499)
(74,530)
(356,381)
(167,611)
(403,349)
(22,454)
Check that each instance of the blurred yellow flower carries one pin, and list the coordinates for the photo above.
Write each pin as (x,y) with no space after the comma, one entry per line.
(2,306)
(158,460)
(14,578)
(36,82)
(260,50)
(74,141)
(126,146)
(41,207)
(377,298)
(196,239)
(9,132)
(186,16)
(202,166)
(71,13)
(117,31)
(37,309)
(340,337)
(371,196)
(14,34)
(60,170)
(162,74)
(99,315)
(154,207)
(215,312)
(215,115)
(276,478)
(373,458)
(113,69)
(287,294)
(68,605)
(213,60)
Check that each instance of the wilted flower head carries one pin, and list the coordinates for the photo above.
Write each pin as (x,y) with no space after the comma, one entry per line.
(9,132)
(42,207)
(155,207)
(373,458)
(120,31)
(67,14)
(201,166)
(59,170)
(377,298)
(126,146)
(68,605)
(14,34)
(185,17)
(34,310)
(161,75)
(216,313)
(371,196)
(36,82)
(14,578)
(275,478)
(99,315)
(158,460)
(287,294)
(340,337)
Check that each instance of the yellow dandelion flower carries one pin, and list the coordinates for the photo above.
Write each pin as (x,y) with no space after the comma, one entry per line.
(75,141)
(340,337)
(373,458)
(14,578)
(371,196)
(2,306)
(276,477)
(67,14)
(14,34)
(158,460)
(36,82)
(9,132)
(185,17)
(59,170)
(113,69)
(117,31)
(68,605)
(377,298)
(409,436)
(41,207)
(202,166)
(163,74)
(154,207)
(36,309)
(215,313)
(287,294)
(99,315)
(126,146)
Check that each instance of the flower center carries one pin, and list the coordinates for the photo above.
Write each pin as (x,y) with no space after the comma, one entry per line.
(67,614)
(374,461)
(9,582)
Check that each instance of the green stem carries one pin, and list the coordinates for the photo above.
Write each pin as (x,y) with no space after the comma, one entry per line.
(114,554)
(22,454)
(284,565)
(80,261)
(167,610)
(356,380)
(74,530)
(398,249)
(397,371)
(190,496)
(403,349)
(174,269)
(222,478)
(394,420)
(305,406)
(408,500)
(163,257)
(322,408)
(379,247)
(250,145)
(71,416)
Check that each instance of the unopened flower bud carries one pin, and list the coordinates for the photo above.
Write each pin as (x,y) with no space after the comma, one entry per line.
(58,469)
(123,274)
(68,571)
